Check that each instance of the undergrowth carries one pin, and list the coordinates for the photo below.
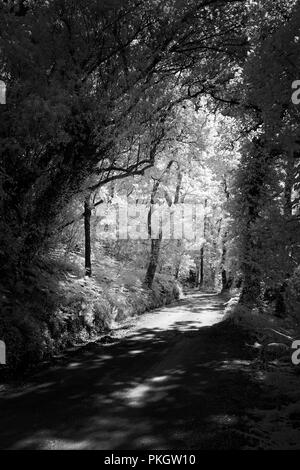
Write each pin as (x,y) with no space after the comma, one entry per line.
(58,307)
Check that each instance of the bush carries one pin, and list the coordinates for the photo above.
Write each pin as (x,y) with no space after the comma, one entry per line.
(246,317)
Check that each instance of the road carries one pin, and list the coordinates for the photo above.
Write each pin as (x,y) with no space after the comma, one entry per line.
(175,378)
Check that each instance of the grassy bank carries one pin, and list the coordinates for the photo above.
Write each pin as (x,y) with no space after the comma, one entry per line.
(58,307)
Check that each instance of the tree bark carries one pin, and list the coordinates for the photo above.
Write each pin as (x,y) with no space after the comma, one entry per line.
(87,235)
(279,291)
(154,257)
(251,291)
(226,280)
(255,172)
(177,198)
(201,270)
(178,261)
(155,243)
(201,267)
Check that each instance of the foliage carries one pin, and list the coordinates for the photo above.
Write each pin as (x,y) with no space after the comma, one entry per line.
(148,102)
(57,307)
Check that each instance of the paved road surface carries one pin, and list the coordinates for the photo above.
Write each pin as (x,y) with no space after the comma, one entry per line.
(176,379)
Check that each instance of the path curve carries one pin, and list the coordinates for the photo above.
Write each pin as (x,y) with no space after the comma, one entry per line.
(176,378)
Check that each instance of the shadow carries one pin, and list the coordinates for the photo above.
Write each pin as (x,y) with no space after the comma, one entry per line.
(181,388)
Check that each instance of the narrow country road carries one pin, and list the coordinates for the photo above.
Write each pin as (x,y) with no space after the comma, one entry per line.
(175,379)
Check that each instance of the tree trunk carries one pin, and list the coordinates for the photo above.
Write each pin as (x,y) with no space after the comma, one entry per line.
(201,267)
(255,172)
(154,257)
(178,261)
(279,291)
(177,198)
(176,274)
(155,243)
(197,277)
(223,260)
(226,280)
(251,288)
(201,270)
(87,235)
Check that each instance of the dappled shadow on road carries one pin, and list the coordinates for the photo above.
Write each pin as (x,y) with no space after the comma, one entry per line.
(181,388)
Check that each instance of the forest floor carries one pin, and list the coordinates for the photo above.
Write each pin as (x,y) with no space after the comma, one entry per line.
(174,378)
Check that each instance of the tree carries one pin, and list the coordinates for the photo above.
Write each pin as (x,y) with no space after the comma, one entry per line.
(90,87)
(266,178)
